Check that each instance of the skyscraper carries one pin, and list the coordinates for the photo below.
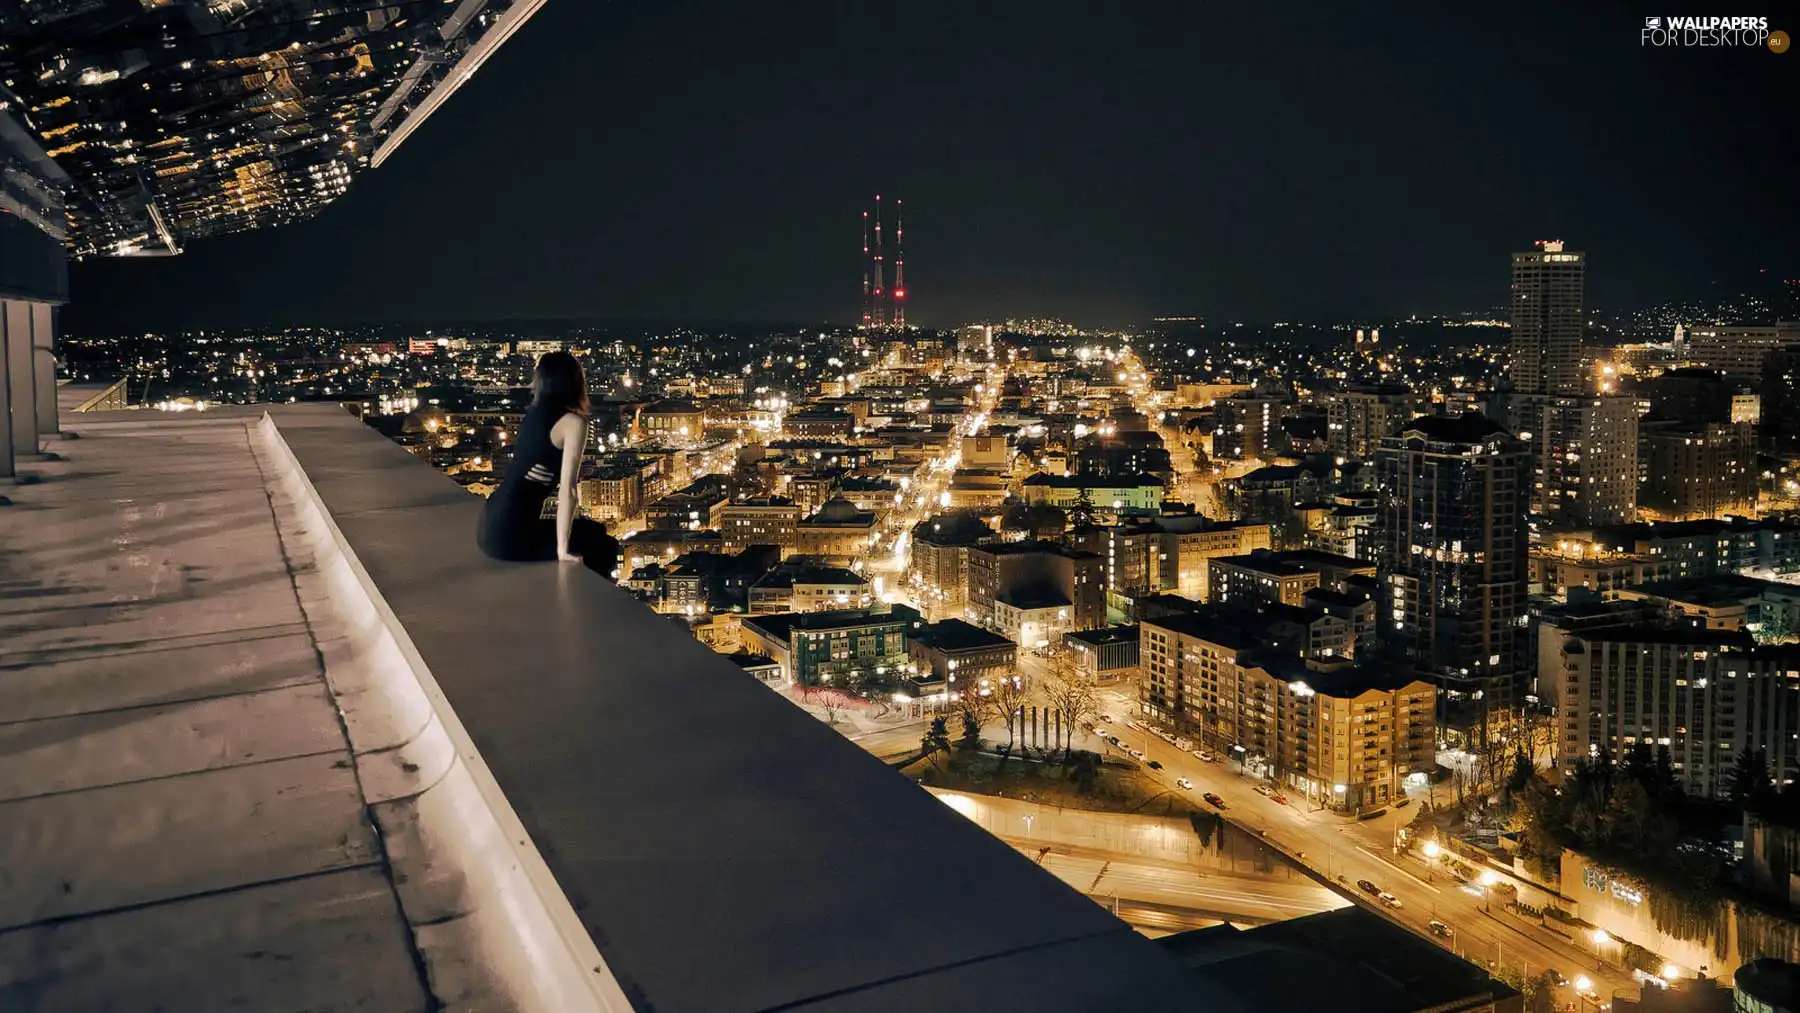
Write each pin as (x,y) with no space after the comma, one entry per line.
(1547,319)
(1452,561)
(1586,458)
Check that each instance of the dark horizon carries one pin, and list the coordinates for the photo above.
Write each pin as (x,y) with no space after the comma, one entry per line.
(1103,167)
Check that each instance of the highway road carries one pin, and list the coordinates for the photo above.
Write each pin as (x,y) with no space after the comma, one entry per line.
(1357,850)
(1210,896)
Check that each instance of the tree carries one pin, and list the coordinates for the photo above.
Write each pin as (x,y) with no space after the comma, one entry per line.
(976,705)
(1081,512)
(831,704)
(971,733)
(1072,696)
(1539,992)
(937,739)
(1522,771)
(1010,693)
(1083,767)
(1751,786)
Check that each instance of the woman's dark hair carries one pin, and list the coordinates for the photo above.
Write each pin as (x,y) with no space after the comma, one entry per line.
(560,385)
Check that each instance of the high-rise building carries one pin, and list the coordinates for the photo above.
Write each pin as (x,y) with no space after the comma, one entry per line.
(1547,319)
(1779,386)
(1585,457)
(1706,694)
(1359,417)
(1453,559)
(1247,427)
(1695,471)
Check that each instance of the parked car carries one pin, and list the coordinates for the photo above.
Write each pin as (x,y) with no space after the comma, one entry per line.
(1155,765)
(1137,754)
(1214,800)
(1368,887)
(1279,797)
(1184,784)
(1403,803)
(1264,790)
(1389,899)
(1108,718)
(1442,931)
(1199,754)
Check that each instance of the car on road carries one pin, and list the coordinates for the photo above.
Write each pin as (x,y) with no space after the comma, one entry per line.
(1440,929)
(1137,754)
(1403,803)
(1214,800)
(1389,899)
(1183,783)
(1264,790)
(1114,739)
(1109,719)
(1279,797)
(1368,887)
(1155,765)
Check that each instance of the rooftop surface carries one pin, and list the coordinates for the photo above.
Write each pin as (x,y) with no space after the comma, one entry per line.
(234,645)
(1356,961)
(181,822)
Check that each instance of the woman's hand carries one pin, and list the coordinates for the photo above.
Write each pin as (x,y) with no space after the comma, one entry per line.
(565,556)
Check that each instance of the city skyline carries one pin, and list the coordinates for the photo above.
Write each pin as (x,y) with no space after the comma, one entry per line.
(1224,567)
(719,191)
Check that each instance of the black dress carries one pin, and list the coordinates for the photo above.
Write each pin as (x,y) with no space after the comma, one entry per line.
(518,522)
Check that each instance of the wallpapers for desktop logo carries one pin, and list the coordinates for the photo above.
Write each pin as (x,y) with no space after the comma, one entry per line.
(1720,32)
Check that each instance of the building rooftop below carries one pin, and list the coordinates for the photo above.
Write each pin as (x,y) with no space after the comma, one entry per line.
(1104,636)
(956,635)
(1033,599)
(1354,961)
(1715,590)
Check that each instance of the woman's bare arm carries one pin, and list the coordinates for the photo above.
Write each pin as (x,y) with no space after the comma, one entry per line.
(570,436)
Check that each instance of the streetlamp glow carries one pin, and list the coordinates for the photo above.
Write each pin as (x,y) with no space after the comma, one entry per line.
(1489,877)
(1432,849)
(1601,938)
(1584,984)
(1670,971)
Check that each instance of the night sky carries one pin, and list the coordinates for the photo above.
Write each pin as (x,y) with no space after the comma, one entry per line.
(1102,162)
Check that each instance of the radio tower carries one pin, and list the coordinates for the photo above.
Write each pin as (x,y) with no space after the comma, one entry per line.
(868,305)
(880,289)
(883,307)
(899,266)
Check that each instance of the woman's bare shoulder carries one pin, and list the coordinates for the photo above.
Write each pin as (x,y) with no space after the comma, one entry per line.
(571,424)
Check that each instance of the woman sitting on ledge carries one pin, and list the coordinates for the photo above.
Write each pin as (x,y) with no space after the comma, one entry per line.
(531,517)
